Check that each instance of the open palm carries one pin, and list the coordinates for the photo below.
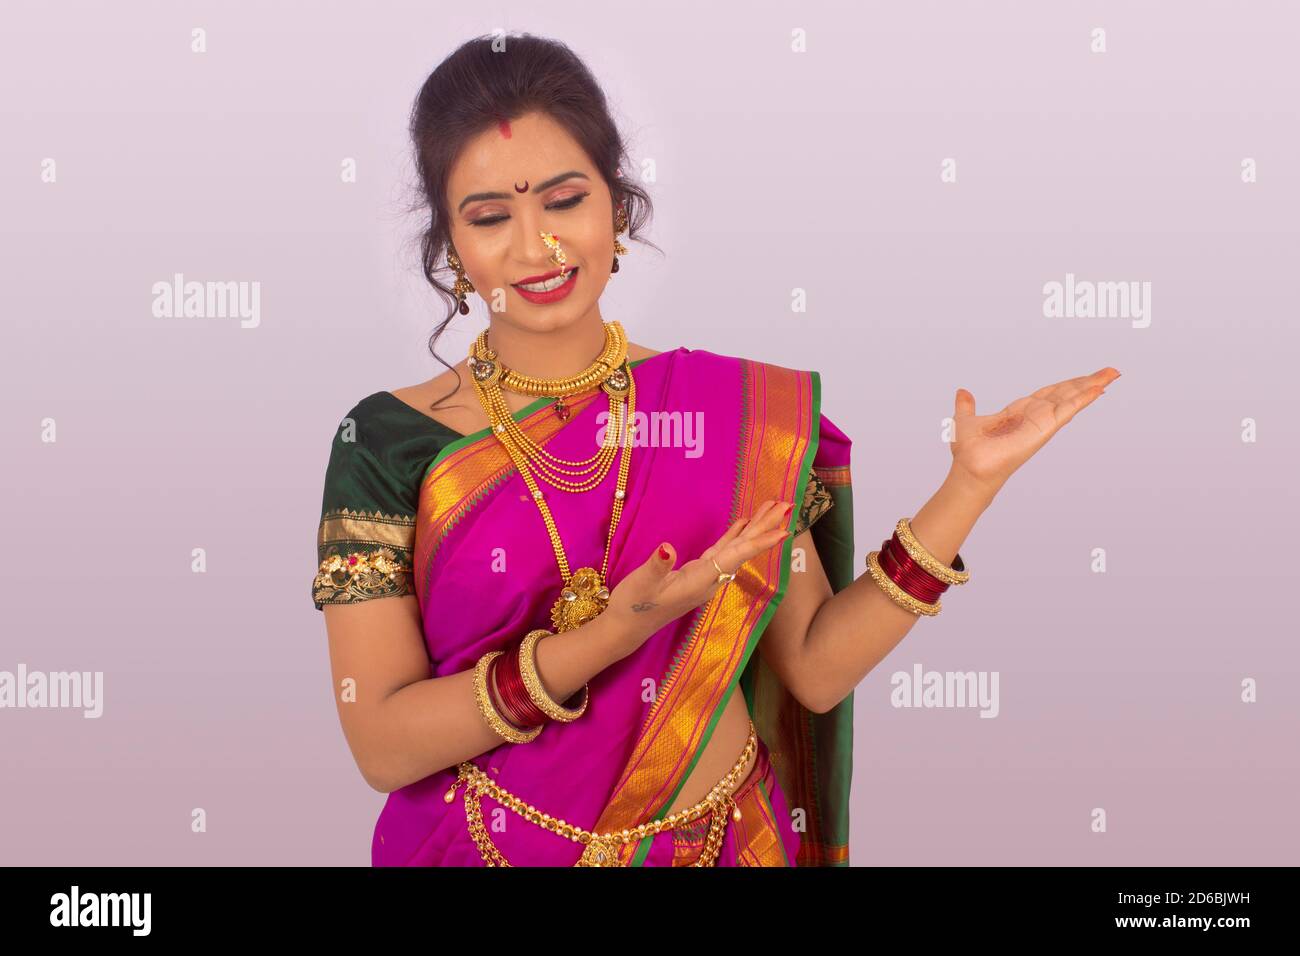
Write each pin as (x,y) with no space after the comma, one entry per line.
(989,448)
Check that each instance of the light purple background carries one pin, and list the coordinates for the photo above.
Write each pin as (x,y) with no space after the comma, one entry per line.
(776,170)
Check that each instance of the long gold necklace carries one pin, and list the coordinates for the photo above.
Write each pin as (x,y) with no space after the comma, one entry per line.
(584,595)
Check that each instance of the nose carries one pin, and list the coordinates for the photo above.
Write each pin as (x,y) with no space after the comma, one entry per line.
(537,251)
(526,243)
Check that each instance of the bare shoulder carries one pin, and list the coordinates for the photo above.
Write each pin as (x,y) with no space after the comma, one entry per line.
(635,352)
(451,383)
(451,393)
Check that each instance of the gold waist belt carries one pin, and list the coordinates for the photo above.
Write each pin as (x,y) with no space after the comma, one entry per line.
(600,846)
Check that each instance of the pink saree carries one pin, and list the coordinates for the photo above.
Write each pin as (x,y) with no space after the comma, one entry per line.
(717,436)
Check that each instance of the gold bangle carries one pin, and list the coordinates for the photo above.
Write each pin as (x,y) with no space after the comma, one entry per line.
(899,596)
(533,681)
(918,553)
(488,708)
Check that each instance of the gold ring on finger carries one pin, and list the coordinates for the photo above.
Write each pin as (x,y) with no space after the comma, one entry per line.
(723,576)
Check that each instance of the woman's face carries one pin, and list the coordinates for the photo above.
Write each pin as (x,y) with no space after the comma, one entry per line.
(495,227)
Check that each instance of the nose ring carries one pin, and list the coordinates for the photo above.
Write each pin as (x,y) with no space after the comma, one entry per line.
(557,253)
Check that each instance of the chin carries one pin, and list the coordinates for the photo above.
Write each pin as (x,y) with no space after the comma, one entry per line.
(546,318)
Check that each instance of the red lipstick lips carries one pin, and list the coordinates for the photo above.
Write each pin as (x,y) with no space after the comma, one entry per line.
(554,295)
(540,278)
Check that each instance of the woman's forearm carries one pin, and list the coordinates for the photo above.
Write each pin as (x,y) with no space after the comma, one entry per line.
(434,724)
(855,629)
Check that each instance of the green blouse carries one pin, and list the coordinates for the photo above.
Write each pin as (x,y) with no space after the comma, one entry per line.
(379,458)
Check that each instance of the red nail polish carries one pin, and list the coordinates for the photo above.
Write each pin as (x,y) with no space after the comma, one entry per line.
(663,553)
(788,510)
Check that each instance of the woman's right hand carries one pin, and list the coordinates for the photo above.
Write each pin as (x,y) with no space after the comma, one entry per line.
(656,593)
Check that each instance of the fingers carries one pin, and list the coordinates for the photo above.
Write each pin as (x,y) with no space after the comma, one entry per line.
(768,527)
(736,527)
(739,553)
(1070,387)
(766,517)
(1068,408)
(770,511)
(747,537)
(1080,393)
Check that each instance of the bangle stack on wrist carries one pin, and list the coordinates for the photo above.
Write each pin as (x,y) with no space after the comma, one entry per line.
(525,666)
(525,704)
(487,707)
(912,576)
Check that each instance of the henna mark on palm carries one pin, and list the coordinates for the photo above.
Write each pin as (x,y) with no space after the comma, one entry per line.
(1004,426)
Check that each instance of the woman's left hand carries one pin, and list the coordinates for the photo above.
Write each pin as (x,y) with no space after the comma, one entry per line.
(987,449)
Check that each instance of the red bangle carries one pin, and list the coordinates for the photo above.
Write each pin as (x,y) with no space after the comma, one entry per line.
(914,575)
(519,707)
(505,701)
(908,582)
(499,682)
(494,693)
(926,586)
(907,574)
(900,551)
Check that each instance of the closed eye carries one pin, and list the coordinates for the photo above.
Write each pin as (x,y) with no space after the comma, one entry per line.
(569,203)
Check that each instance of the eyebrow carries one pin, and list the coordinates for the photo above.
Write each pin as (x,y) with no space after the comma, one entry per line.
(540,187)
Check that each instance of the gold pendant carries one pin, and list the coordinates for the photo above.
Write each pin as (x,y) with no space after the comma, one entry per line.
(598,853)
(618,382)
(582,600)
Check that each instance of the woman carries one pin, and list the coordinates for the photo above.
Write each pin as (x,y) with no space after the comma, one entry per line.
(524,662)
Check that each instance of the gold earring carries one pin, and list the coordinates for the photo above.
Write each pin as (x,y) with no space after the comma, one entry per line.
(463,286)
(619,226)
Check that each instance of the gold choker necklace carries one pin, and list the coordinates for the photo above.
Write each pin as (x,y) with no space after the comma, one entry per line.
(585,594)
(483,363)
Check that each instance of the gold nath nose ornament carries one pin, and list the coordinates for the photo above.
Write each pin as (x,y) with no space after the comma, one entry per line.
(557,253)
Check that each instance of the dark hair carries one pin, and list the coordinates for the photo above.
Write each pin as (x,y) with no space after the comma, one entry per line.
(493,78)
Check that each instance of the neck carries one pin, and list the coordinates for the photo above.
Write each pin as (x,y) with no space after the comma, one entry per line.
(555,353)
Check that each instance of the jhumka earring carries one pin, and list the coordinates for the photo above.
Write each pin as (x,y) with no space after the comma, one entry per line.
(463,286)
(619,226)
